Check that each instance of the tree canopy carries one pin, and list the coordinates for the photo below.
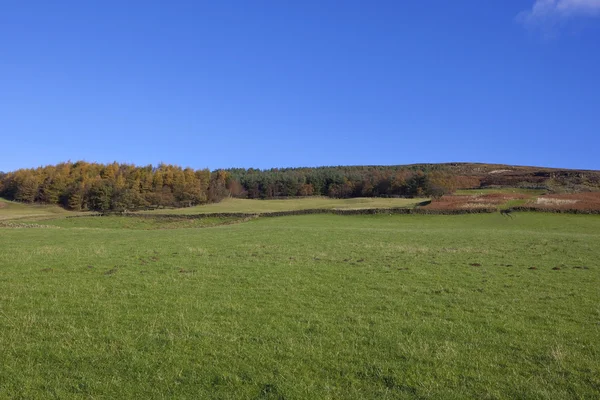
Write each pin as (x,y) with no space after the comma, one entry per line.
(117,187)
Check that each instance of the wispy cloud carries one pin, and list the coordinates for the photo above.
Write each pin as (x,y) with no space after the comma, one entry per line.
(556,11)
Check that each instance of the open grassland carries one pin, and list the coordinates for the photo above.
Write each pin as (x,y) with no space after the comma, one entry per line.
(305,203)
(303,307)
(124,222)
(13,210)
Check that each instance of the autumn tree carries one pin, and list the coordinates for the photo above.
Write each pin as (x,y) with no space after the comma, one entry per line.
(218,186)
(27,186)
(83,185)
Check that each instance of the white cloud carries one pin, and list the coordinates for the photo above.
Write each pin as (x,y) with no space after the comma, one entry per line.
(556,10)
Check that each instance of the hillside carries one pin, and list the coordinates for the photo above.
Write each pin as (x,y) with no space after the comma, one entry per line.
(12,210)
(82,186)
(467,175)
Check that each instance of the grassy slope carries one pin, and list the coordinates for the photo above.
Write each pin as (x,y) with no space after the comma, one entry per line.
(319,306)
(12,210)
(259,206)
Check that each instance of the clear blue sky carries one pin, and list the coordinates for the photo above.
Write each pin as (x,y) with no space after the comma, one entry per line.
(300,83)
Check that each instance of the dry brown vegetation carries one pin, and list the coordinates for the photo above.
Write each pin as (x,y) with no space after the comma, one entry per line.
(459,202)
(551,202)
(575,201)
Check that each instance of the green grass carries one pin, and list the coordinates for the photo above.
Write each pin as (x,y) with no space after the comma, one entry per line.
(262,206)
(514,203)
(138,223)
(12,210)
(304,307)
(479,192)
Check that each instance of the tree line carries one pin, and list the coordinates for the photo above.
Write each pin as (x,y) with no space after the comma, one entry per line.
(117,187)
(345,182)
(92,186)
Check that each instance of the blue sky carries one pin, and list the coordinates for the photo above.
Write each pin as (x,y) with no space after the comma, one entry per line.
(300,83)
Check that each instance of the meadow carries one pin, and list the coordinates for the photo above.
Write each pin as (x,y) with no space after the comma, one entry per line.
(301,307)
(233,205)
(10,210)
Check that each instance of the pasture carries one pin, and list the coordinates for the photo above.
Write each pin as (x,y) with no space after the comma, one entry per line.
(232,205)
(13,210)
(302,307)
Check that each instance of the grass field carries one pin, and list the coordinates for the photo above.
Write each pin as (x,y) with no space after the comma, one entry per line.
(14,210)
(262,206)
(124,222)
(303,307)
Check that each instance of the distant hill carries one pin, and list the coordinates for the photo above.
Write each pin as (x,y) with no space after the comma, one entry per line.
(553,179)
(117,187)
(461,175)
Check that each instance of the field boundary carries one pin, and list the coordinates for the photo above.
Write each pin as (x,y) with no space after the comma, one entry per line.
(365,211)
(555,210)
